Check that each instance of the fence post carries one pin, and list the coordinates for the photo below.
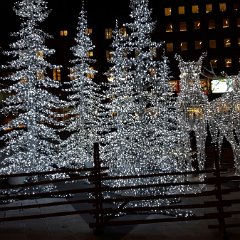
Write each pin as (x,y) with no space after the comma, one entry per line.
(218,185)
(98,190)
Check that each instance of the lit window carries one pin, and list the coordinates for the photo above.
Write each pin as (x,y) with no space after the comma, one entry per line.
(108,33)
(169,47)
(184,46)
(208,8)
(238,22)
(236,6)
(108,55)
(228,62)
(71,75)
(39,54)
(211,24)
(183,26)
(63,33)
(169,27)
(198,44)
(89,31)
(227,42)
(212,43)
(195,9)
(213,63)
(225,23)
(90,74)
(222,7)
(57,74)
(181,10)
(40,75)
(123,31)
(197,25)
(90,54)
(168,11)
(153,52)
(239,42)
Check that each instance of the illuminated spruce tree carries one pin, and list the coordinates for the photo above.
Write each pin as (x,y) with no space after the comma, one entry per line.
(148,136)
(30,143)
(77,150)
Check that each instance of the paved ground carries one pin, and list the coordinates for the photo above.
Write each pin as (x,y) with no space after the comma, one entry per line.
(76,227)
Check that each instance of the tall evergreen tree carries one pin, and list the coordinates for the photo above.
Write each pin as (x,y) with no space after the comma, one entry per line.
(84,98)
(30,102)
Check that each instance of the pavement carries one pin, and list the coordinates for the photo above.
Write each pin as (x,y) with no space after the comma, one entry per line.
(76,227)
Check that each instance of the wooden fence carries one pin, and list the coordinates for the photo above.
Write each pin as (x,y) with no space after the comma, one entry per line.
(214,200)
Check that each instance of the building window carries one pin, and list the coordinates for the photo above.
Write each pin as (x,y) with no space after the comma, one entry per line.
(213,63)
(89,74)
(40,75)
(239,42)
(227,42)
(71,75)
(108,55)
(222,7)
(211,24)
(181,10)
(89,31)
(169,27)
(236,6)
(123,31)
(183,26)
(40,54)
(208,8)
(63,33)
(153,52)
(57,74)
(168,11)
(212,43)
(169,47)
(90,54)
(184,46)
(195,9)
(197,25)
(108,33)
(198,44)
(228,62)
(238,22)
(225,23)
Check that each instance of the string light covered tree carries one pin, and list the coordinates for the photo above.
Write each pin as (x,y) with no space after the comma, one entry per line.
(30,145)
(193,105)
(148,136)
(77,150)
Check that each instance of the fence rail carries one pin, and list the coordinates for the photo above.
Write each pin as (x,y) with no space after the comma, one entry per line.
(105,210)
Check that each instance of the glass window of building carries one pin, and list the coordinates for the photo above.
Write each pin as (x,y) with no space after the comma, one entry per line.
(183,26)
(227,42)
(228,62)
(239,42)
(208,8)
(212,43)
(213,63)
(211,24)
(71,75)
(108,33)
(197,24)
(89,31)
(236,6)
(225,23)
(195,9)
(238,22)
(222,7)
(181,10)
(57,74)
(169,47)
(90,54)
(169,27)
(63,33)
(198,44)
(90,75)
(123,31)
(184,46)
(108,55)
(168,11)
